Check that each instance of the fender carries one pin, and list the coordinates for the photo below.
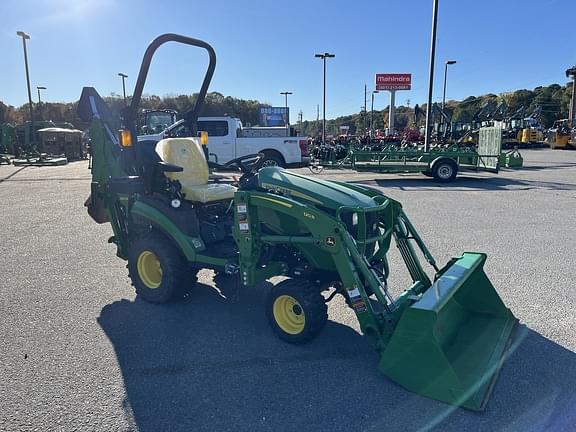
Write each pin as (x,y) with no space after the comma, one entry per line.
(190,246)
(440,158)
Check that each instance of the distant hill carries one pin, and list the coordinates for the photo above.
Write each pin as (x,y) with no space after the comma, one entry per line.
(552,103)
(549,103)
(216,104)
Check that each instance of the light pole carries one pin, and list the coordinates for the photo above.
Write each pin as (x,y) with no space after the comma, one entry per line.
(124,76)
(287,122)
(324,57)
(372,113)
(431,74)
(40,100)
(571,73)
(24,37)
(40,88)
(446,64)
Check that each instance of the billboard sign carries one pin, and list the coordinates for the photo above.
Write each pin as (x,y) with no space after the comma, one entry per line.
(394,81)
(274,116)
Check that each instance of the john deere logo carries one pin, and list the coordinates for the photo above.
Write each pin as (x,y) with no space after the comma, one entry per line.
(330,241)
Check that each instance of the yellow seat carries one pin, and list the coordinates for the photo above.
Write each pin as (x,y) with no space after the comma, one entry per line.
(187,153)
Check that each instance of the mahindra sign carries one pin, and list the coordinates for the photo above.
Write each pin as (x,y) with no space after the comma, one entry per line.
(393,81)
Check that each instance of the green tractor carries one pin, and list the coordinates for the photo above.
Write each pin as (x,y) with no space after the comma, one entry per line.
(444,337)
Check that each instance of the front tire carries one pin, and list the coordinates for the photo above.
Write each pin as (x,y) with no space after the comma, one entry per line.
(296,310)
(158,270)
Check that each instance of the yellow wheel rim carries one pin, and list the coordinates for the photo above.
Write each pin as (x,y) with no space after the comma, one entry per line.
(149,269)
(289,314)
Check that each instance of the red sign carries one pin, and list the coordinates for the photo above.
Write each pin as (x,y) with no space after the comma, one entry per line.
(393,81)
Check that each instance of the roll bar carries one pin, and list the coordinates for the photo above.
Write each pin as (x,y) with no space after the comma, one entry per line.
(129,114)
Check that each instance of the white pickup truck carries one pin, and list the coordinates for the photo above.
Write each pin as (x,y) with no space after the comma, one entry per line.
(226,142)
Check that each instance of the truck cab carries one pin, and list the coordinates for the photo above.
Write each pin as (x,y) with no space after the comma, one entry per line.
(226,141)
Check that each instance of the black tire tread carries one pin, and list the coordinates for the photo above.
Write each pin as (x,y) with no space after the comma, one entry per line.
(311,300)
(175,275)
(274,156)
(438,164)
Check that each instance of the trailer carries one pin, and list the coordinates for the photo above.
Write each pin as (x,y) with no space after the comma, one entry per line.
(441,163)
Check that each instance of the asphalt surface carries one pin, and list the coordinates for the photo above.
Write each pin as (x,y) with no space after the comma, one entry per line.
(79,352)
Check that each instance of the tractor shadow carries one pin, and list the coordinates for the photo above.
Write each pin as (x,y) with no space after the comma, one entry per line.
(464,183)
(207,364)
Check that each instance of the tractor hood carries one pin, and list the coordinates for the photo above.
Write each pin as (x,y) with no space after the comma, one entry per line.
(312,190)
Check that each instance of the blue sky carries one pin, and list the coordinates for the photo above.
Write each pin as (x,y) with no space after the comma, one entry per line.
(265,47)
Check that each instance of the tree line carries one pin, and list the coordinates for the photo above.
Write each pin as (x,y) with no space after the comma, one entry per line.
(215,104)
(549,103)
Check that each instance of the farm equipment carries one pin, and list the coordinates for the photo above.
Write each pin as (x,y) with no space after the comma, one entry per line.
(559,135)
(26,142)
(443,162)
(444,337)
(39,159)
(8,142)
(155,121)
(63,142)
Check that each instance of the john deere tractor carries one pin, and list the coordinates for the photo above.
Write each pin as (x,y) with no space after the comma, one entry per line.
(444,337)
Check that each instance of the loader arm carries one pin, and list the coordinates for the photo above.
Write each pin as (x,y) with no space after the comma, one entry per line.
(443,337)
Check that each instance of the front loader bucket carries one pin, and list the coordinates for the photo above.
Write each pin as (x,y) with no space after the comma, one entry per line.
(450,344)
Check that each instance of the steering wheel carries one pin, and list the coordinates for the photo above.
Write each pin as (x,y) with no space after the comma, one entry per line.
(248,170)
(256,163)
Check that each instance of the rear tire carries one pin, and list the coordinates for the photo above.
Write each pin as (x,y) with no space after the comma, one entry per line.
(296,310)
(445,170)
(158,270)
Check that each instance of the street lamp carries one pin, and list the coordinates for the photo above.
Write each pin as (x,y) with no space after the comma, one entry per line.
(446,63)
(286,93)
(40,88)
(372,112)
(571,73)
(24,37)
(324,57)
(124,76)
(40,101)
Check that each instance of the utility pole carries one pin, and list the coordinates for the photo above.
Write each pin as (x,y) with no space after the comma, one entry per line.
(324,57)
(365,108)
(372,113)
(123,76)
(431,74)
(25,37)
(392,113)
(317,116)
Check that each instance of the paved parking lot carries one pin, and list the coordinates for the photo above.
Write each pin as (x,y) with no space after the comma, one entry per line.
(79,352)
